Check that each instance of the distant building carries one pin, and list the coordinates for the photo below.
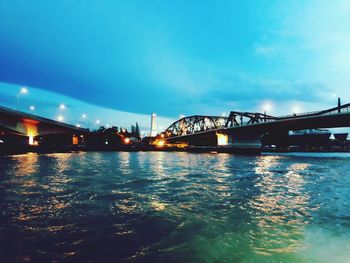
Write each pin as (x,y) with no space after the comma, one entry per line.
(153,125)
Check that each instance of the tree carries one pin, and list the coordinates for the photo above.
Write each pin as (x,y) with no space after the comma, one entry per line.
(137,131)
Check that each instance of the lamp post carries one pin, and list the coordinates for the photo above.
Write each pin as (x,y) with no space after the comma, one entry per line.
(59,111)
(84,120)
(296,110)
(23,91)
(267,107)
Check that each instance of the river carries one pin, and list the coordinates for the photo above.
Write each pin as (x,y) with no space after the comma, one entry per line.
(174,207)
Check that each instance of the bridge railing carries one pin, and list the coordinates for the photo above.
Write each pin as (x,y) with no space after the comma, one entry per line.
(343,109)
(311,113)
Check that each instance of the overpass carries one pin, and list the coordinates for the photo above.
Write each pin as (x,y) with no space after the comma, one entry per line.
(244,130)
(31,126)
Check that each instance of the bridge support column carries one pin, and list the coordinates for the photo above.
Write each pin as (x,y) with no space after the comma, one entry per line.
(241,141)
(31,128)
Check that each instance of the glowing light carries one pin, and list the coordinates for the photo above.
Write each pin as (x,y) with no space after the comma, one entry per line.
(222,139)
(60,118)
(75,140)
(32,108)
(62,106)
(126,140)
(83,116)
(296,109)
(23,90)
(267,107)
(78,125)
(160,143)
(223,114)
(97,121)
(106,142)
(32,130)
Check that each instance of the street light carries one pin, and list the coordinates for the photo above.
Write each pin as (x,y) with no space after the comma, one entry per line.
(97,121)
(296,110)
(267,107)
(83,120)
(60,118)
(62,106)
(22,91)
(32,108)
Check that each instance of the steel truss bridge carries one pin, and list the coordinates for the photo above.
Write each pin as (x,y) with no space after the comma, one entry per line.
(245,129)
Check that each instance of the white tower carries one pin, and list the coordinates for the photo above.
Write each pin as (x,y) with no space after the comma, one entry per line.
(153,125)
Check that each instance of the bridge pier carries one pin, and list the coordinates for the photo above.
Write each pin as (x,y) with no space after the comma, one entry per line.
(240,141)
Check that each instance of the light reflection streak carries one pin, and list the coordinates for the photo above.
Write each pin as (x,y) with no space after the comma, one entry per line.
(27,164)
(124,162)
(61,160)
(158,165)
(281,212)
(58,184)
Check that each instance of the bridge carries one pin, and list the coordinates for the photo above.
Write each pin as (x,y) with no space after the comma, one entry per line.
(244,130)
(30,126)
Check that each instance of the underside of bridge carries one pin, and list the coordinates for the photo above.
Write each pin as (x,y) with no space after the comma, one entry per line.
(22,128)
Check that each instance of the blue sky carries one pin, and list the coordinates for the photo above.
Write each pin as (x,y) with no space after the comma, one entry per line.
(122,60)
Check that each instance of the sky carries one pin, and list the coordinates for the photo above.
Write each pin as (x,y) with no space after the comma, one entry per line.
(120,61)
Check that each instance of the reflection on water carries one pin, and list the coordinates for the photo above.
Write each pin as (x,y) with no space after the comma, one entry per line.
(179,207)
(26,164)
(281,207)
(124,163)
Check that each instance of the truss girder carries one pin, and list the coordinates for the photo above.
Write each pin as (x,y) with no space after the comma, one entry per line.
(194,124)
(200,123)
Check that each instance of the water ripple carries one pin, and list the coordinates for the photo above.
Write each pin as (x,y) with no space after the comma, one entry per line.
(154,207)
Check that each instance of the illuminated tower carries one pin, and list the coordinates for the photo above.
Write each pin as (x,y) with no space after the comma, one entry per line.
(153,125)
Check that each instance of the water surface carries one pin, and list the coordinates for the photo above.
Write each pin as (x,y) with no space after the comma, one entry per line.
(174,207)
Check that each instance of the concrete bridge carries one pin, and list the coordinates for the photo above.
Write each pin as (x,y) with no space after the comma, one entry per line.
(31,126)
(244,130)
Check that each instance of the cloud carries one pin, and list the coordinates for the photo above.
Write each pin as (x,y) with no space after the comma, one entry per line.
(264,50)
(175,58)
(320,42)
